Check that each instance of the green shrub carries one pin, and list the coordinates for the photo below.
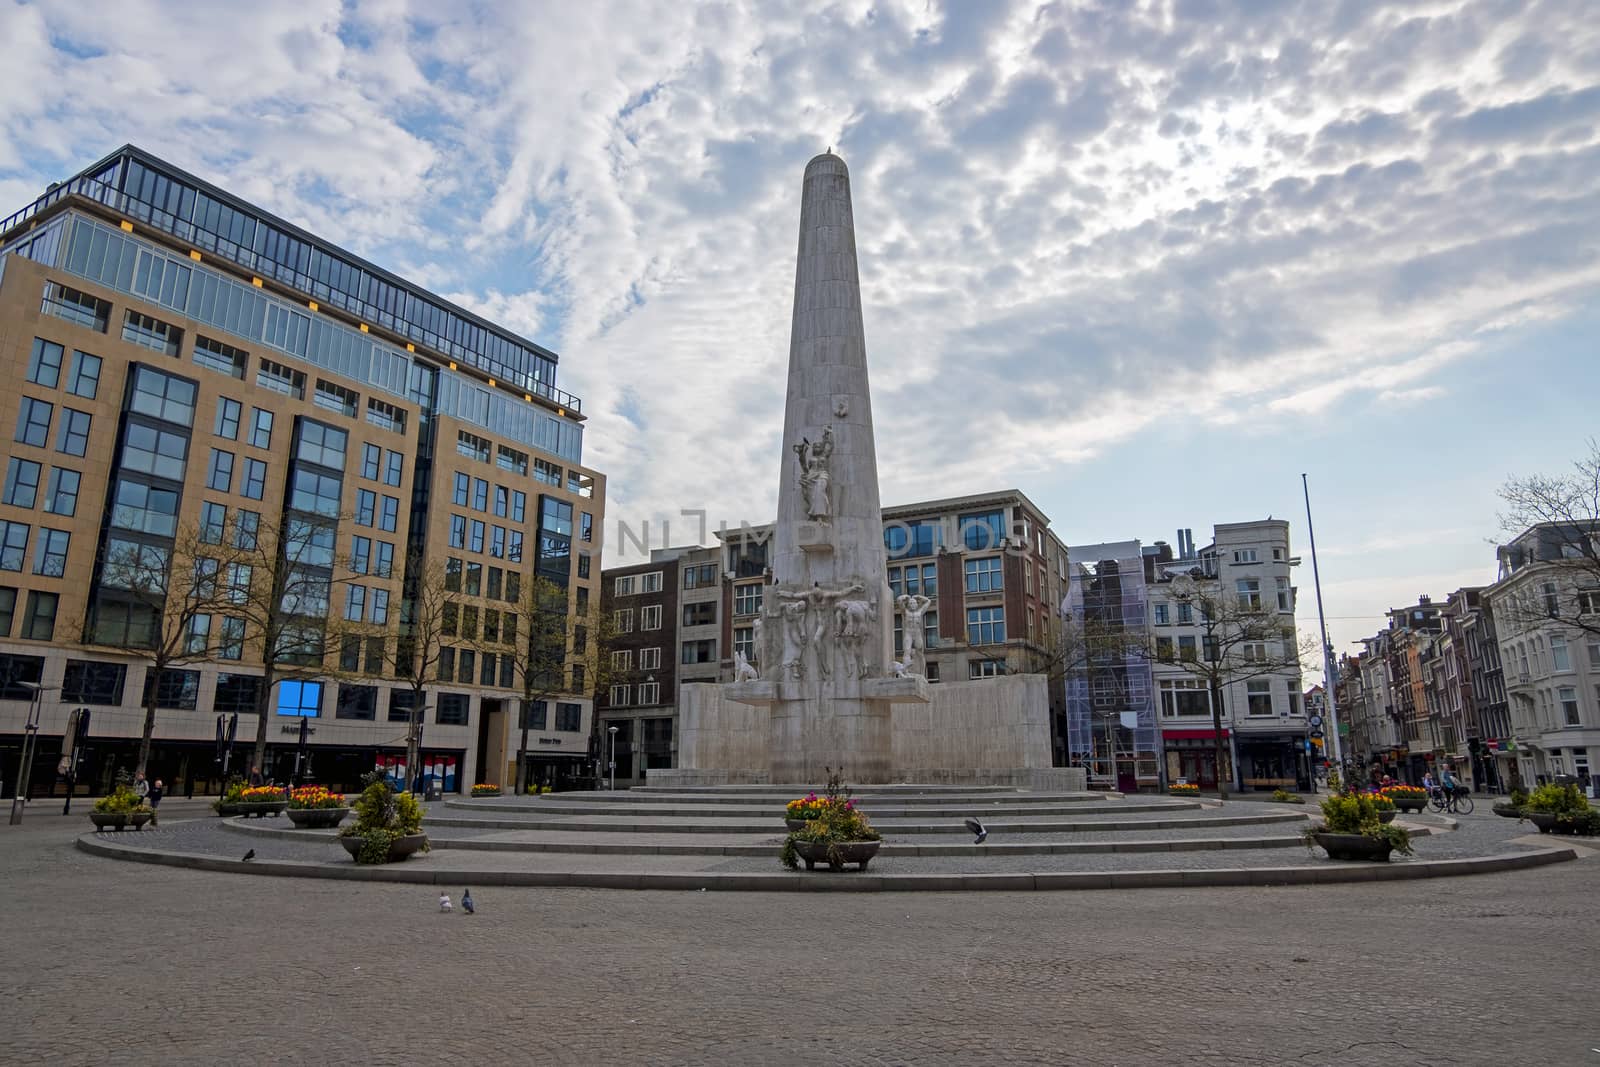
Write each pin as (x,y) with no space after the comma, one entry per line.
(1355,813)
(122,801)
(382,817)
(1558,800)
(1283,796)
(1519,798)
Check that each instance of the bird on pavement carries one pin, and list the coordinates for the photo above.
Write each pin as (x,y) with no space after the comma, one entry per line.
(466,901)
(444,901)
(248,856)
(977,827)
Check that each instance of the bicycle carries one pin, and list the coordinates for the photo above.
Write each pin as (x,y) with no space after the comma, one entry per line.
(1457,803)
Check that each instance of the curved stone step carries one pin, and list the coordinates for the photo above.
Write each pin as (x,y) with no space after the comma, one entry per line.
(984,810)
(676,873)
(605,824)
(770,803)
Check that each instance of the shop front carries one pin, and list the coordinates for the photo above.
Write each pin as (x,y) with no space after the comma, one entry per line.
(1191,757)
(1273,761)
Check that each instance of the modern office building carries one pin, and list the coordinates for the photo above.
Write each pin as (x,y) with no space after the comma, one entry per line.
(190,371)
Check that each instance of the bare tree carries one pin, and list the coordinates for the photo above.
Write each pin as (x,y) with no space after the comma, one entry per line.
(1240,639)
(1564,510)
(161,605)
(433,627)
(559,652)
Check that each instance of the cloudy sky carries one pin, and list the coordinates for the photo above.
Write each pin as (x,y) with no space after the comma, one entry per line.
(1146,260)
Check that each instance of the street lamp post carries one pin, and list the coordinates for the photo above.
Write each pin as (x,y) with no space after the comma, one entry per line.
(613,761)
(29,741)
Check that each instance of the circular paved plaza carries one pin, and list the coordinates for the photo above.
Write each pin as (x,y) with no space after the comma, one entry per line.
(138,963)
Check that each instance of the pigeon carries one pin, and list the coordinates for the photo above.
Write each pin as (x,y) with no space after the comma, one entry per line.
(444,901)
(248,856)
(977,827)
(466,901)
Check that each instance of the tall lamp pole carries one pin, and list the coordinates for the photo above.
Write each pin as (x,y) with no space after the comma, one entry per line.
(1329,679)
(613,760)
(29,741)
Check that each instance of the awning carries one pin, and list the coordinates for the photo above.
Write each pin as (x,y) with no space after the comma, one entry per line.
(1192,735)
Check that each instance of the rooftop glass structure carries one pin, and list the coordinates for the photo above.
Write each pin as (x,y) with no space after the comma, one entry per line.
(140,186)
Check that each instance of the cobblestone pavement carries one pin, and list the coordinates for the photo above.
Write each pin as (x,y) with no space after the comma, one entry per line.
(135,964)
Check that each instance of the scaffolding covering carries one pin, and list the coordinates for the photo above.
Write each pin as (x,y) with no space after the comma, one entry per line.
(1111,715)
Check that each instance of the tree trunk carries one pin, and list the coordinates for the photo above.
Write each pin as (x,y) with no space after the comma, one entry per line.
(414,741)
(1216,738)
(258,757)
(522,750)
(149,729)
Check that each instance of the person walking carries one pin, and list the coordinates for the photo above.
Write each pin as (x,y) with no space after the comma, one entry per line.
(153,797)
(255,776)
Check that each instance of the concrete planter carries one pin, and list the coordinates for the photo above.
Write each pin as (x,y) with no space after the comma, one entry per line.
(1507,810)
(1353,846)
(399,849)
(1388,816)
(838,854)
(120,820)
(317,818)
(260,809)
(1411,804)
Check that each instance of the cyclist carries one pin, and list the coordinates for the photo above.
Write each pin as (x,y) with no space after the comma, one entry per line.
(1451,785)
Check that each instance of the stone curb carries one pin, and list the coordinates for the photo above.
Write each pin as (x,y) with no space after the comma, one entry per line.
(468,809)
(1057,848)
(847,881)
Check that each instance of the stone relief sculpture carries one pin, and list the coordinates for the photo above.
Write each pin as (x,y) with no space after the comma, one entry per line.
(756,630)
(816,475)
(813,602)
(853,621)
(742,671)
(793,615)
(913,607)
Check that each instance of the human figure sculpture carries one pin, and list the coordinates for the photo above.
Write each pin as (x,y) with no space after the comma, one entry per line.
(816,475)
(742,671)
(793,615)
(852,623)
(756,630)
(816,602)
(913,607)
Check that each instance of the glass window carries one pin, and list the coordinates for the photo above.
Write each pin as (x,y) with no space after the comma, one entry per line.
(452,574)
(219,474)
(360,554)
(1258,693)
(222,358)
(983,532)
(480,495)
(519,505)
(322,444)
(463,488)
(317,494)
(255,479)
(144,508)
(983,575)
(474,579)
(569,717)
(33,422)
(261,428)
(151,332)
(475,542)
(50,553)
(8,609)
(73,436)
(13,544)
(213,521)
(452,709)
(84,380)
(986,626)
(383,566)
(62,496)
(232,644)
(163,396)
(22,483)
(246,527)
(300,698)
(173,688)
(355,603)
(393,467)
(514,549)
(44,364)
(227,421)
(497,542)
(1249,590)
(389,518)
(380,606)
(502,501)
(39,624)
(371,460)
(162,453)
(89,682)
(357,701)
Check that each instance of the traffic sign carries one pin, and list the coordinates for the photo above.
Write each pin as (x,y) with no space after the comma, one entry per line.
(1316,734)
(1316,720)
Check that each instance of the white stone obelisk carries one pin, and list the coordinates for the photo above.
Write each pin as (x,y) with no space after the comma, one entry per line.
(827,632)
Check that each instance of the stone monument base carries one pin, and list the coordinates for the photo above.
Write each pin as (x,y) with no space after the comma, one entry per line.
(990,732)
